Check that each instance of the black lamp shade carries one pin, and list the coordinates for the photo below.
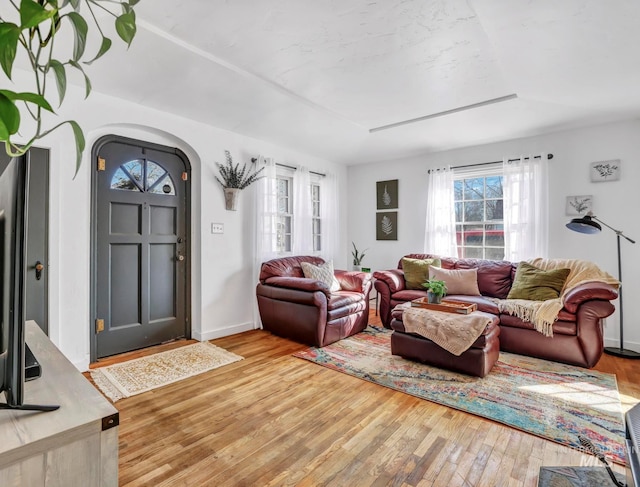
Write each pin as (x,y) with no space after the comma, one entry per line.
(586,224)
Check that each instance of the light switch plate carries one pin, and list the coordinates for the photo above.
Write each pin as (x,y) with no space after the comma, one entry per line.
(217,228)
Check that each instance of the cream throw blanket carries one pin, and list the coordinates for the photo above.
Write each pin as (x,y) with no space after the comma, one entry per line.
(453,332)
(542,314)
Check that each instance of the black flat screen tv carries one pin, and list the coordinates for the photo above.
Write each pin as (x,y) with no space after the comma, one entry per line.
(14,182)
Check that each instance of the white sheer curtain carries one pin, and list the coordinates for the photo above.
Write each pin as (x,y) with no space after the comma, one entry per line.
(302,213)
(526,207)
(329,216)
(266,218)
(440,227)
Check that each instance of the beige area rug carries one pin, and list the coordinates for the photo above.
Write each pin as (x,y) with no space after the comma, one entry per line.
(143,374)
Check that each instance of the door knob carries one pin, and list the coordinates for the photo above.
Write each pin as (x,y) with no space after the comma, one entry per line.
(39,268)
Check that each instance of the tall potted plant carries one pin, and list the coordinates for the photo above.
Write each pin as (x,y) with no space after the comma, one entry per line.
(32,28)
(357,257)
(233,179)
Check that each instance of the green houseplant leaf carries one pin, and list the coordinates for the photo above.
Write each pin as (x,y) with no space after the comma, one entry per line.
(60,76)
(32,14)
(126,26)
(9,118)
(9,35)
(80,28)
(87,81)
(104,47)
(28,97)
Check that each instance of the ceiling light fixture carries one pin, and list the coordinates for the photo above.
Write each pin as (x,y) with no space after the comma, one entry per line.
(446,112)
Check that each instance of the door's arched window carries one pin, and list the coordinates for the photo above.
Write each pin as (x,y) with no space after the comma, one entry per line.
(144,176)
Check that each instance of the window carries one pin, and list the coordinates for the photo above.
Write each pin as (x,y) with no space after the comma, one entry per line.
(479,215)
(285,214)
(144,176)
(289,216)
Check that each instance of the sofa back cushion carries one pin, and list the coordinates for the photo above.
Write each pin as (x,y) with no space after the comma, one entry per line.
(287,266)
(538,284)
(494,276)
(416,271)
(458,281)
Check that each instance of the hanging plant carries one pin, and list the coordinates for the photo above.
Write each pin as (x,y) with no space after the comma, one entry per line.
(232,176)
(33,31)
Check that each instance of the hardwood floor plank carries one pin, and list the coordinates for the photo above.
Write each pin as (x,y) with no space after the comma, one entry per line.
(275,420)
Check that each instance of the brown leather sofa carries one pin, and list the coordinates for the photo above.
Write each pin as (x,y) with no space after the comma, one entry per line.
(577,334)
(304,309)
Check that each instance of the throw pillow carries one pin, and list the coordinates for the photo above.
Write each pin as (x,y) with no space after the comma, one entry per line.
(416,271)
(536,284)
(458,281)
(322,273)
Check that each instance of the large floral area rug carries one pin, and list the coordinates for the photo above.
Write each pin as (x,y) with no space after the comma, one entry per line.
(548,399)
(143,374)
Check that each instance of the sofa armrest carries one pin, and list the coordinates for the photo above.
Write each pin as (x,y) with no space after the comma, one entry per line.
(355,281)
(394,279)
(298,283)
(587,292)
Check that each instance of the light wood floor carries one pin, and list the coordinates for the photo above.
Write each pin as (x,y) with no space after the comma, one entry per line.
(272,419)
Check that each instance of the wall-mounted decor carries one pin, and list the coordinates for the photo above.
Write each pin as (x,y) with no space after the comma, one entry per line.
(387,225)
(605,171)
(579,205)
(387,194)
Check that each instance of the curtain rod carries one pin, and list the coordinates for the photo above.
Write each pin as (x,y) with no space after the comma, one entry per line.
(549,156)
(293,168)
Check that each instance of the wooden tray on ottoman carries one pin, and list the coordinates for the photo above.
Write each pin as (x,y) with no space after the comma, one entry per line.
(446,305)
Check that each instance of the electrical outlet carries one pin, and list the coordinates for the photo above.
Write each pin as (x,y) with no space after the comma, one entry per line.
(217,228)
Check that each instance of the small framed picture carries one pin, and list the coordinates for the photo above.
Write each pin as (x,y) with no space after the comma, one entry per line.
(604,171)
(387,194)
(579,205)
(387,225)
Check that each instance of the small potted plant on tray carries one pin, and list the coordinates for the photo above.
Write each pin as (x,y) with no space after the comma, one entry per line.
(436,289)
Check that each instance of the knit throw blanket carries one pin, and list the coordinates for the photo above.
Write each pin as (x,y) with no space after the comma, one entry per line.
(542,314)
(453,332)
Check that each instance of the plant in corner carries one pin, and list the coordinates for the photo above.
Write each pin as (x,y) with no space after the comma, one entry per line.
(436,289)
(357,257)
(233,179)
(32,28)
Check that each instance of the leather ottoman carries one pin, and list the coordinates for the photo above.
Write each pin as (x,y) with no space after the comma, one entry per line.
(477,360)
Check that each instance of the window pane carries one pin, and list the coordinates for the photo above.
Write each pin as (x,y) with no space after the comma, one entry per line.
(317,243)
(154,172)
(122,181)
(473,235)
(494,235)
(458,211)
(474,211)
(459,235)
(494,210)
(457,190)
(473,253)
(164,186)
(494,187)
(474,189)
(494,254)
(135,169)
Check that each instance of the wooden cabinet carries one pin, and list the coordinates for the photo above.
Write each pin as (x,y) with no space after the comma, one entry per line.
(76,445)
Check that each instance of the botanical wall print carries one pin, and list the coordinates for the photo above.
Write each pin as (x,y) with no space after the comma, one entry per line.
(605,171)
(579,205)
(387,225)
(387,194)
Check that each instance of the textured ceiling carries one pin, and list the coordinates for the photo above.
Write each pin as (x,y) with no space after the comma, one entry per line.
(317,75)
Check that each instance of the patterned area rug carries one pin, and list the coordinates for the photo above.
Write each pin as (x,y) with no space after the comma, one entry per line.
(143,374)
(576,477)
(548,399)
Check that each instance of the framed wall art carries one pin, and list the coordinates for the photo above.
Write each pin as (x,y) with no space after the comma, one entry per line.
(387,194)
(579,205)
(604,171)
(387,225)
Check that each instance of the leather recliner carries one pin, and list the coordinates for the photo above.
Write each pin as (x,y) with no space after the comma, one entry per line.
(305,310)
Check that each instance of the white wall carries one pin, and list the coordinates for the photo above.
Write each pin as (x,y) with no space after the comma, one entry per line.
(573,152)
(223,287)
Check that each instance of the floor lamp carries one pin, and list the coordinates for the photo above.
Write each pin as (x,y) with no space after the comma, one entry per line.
(590,224)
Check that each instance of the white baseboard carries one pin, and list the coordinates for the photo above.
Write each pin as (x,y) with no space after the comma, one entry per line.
(635,346)
(223,332)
